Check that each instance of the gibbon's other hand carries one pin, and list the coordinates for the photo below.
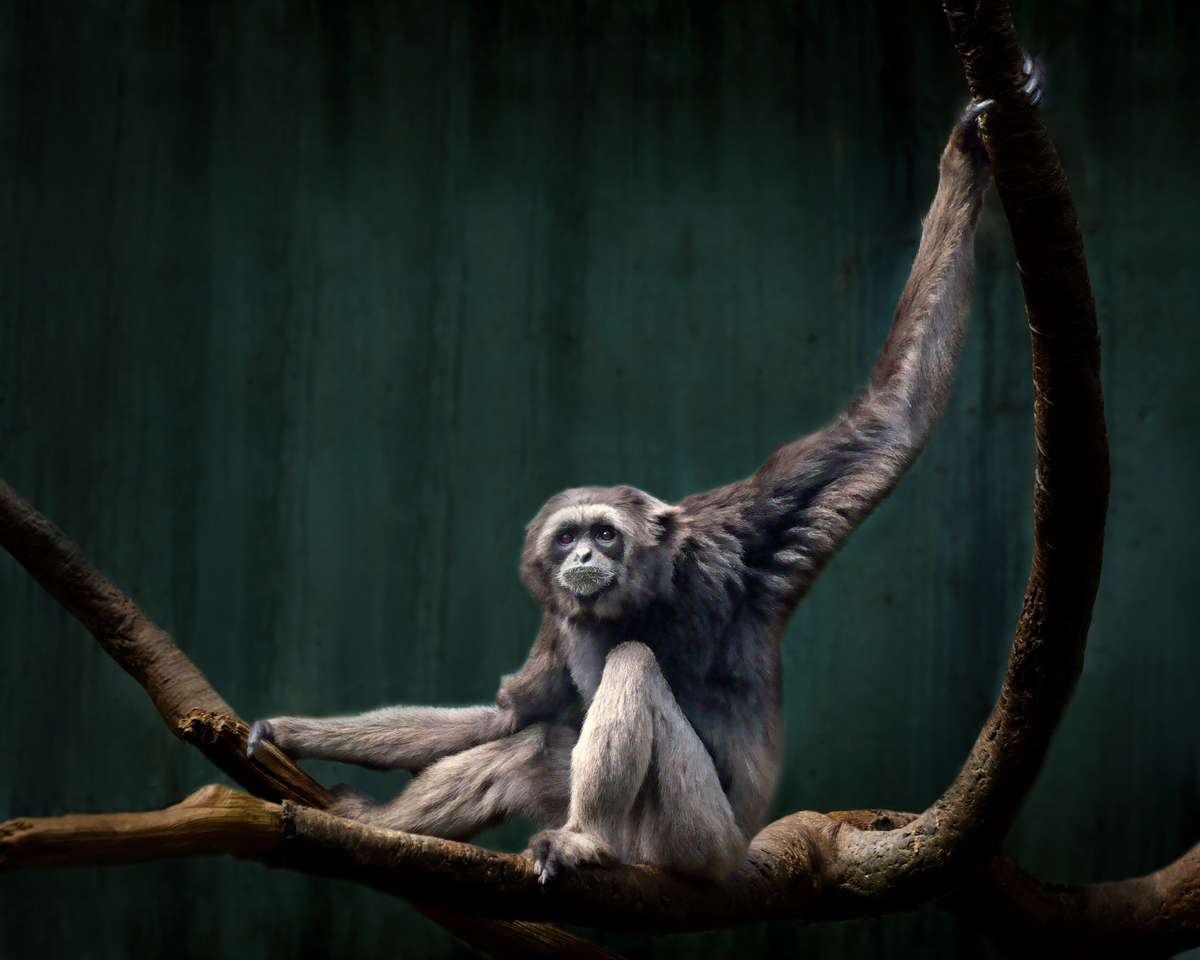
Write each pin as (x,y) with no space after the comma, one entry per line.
(259,731)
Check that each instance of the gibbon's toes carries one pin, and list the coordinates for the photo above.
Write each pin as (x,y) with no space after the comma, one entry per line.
(970,136)
(261,730)
(557,852)
(540,851)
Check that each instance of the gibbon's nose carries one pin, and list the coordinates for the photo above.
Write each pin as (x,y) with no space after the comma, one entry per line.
(583,553)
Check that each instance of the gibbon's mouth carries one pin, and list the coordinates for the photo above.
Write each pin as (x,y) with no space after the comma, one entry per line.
(585,581)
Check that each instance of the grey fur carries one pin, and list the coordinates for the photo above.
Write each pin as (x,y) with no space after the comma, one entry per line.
(646,725)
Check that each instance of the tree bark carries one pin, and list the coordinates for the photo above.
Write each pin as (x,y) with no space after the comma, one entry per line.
(1153,916)
(213,820)
(1139,919)
(778,880)
(956,837)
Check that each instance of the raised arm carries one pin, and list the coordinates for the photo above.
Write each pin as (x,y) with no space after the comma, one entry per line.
(810,495)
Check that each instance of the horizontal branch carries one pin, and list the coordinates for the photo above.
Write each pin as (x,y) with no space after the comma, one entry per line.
(1152,916)
(775,883)
(213,820)
(1147,917)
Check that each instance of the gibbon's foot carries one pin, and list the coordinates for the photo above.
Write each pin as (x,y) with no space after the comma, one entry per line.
(969,134)
(555,852)
(259,731)
(349,802)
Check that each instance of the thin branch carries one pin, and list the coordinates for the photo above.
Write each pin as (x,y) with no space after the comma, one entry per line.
(142,648)
(187,702)
(272,773)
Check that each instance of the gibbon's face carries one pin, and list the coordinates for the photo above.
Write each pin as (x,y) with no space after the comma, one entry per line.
(587,556)
(599,552)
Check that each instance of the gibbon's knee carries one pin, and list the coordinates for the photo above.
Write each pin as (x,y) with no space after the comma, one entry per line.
(618,715)
(611,760)
(632,675)
(633,658)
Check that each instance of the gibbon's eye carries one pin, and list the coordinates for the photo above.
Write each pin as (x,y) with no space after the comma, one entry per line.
(606,533)
(565,538)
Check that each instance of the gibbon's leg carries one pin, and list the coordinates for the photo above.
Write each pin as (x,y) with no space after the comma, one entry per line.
(394,738)
(643,787)
(457,797)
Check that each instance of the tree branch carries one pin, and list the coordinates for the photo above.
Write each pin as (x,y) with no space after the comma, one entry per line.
(1147,917)
(187,702)
(777,881)
(960,833)
(213,820)
(1153,916)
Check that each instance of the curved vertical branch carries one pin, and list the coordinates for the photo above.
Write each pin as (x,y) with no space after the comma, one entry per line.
(957,836)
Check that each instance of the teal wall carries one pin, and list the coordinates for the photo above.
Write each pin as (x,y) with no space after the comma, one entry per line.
(305,309)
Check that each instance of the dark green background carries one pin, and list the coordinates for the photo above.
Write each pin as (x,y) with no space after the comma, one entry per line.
(305,309)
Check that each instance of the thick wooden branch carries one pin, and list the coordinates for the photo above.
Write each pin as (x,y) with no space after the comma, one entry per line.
(1153,916)
(216,820)
(213,820)
(1137,919)
(776,882)
(956,837)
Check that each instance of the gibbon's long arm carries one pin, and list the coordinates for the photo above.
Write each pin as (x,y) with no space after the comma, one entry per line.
(393,738)
(810,494)
(413,738)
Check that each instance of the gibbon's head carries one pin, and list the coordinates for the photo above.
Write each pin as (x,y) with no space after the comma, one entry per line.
(599,551)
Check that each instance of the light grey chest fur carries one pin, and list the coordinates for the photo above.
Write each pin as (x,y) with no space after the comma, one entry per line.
(585,654)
